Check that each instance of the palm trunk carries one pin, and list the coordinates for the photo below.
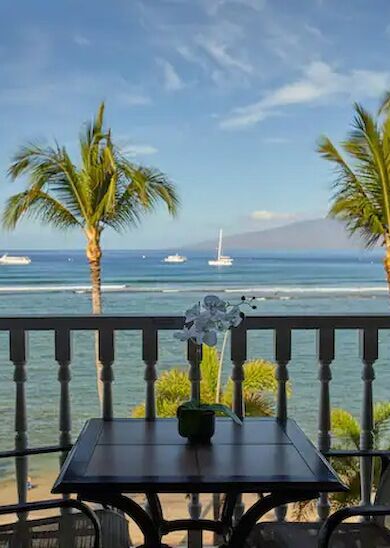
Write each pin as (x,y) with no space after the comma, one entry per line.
(386,261)
(94,254)
(95,270)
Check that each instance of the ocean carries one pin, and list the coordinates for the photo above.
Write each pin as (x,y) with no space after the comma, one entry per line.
(139,282)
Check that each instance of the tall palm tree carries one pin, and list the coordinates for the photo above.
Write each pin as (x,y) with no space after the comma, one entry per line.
(362,185)
(103,189)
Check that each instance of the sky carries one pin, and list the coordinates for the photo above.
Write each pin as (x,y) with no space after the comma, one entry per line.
(227,97)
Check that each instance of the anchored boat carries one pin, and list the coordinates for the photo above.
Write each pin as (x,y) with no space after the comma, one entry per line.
(221,260)
(14,260)
(175,259)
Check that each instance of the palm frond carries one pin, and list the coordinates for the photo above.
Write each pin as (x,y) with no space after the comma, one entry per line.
(149,185)
(37,205)
(209,369)
(361,189)
(259,404)
(381,422)
(51,170)
(138,191)
(345,427)
(384,107)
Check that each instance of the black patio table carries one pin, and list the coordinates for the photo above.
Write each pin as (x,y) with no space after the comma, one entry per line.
(123,456)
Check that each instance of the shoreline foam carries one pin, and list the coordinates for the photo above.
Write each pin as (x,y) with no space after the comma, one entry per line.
(267,291)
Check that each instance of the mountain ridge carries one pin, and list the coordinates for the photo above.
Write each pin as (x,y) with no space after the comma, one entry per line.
(313,234)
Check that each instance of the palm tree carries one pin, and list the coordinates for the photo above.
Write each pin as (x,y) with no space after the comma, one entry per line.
(173,387)
(104,189)
(362,186)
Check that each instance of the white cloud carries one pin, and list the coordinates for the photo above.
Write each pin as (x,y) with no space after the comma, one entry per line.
(81,40)
(191,56)
(320,82)
(219,53)
(139,150)
(213,6)
(314,31)
(276,140)
(35,94)
(133,99)
(265,215)
(283,42)
(172,81)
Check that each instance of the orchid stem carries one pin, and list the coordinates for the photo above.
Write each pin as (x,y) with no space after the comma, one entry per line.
(219,378)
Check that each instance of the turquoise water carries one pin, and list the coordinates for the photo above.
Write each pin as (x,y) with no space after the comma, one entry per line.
(282,283)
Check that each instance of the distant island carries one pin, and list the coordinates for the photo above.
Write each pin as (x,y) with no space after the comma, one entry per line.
(313,234)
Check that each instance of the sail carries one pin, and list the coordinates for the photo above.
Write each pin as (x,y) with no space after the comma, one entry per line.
(220,244)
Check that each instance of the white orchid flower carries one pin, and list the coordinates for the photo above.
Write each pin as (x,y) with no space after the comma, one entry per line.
(234,316)
(192,313)
(214,304)
(204,321)
(210,338)
(182,335)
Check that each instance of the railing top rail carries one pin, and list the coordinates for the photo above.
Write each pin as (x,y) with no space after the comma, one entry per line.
(170,322)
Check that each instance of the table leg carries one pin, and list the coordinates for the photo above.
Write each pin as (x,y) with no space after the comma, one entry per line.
(227,513)
(155,508)
(150,530)
(245,525)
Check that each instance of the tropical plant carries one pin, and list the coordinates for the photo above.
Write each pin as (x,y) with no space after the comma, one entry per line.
(103,189)
(173,387)
(346,429)
(362,186)
(346,432)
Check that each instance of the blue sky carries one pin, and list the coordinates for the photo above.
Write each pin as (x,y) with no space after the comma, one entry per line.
(228,97)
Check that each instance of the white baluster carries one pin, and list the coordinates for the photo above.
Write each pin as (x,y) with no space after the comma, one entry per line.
(325,353)
(282,356)
(106,357)
(150,357)
(369,355)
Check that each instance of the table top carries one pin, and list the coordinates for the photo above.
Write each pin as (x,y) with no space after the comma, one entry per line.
(134,455)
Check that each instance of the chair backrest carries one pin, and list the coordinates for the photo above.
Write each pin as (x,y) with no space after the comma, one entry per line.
(65,529)
(383,497)
(46,531)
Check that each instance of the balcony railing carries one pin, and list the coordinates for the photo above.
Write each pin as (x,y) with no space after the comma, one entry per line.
(325,327)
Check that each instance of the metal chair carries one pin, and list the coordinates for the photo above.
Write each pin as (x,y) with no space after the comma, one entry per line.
(374,533)
(83,529)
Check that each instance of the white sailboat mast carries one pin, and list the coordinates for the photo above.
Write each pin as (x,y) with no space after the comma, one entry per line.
(220,244)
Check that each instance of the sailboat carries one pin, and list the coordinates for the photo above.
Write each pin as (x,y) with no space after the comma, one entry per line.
(221,260)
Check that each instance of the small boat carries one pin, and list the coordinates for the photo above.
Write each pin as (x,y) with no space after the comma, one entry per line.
(14,260)
(221,260)
(175,259)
